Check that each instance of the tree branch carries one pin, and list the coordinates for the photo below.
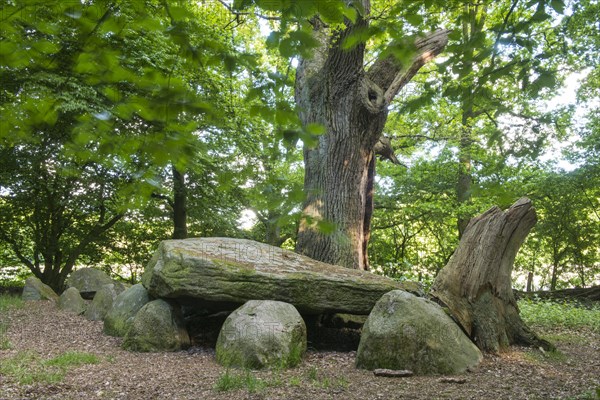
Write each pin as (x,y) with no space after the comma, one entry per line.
(165,198)
(15,248)
(424,137)
(391,75)
(239,14)
(92,235)
(503,29)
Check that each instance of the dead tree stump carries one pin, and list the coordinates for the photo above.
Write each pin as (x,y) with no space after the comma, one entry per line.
(476,285)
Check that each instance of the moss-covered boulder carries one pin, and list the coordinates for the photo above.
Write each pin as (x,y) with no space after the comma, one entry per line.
(88,281)
(223,273)
(103,302)
(405,332)
(262,334)
(158,326)
(34,289)
(125,306)
(71,301)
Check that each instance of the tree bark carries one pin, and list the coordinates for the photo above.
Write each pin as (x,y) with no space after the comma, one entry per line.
(179,205)
(475,285)
(473,19)
(529,287)
(334,90)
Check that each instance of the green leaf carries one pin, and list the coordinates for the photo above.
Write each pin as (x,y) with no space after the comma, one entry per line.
(273,39)
(358,36)
(326,227)
(331,12)
(558,6)
(269,5)
(546,79)
(315,129)
(46,47)
(414,19)
(351,14)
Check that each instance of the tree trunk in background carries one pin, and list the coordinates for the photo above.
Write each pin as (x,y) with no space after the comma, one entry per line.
(529,287)
(334,90)
(179,205)
(463,186)
(554,278)
(473,20)
(476,283)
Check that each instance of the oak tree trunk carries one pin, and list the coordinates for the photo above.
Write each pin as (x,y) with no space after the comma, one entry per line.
(475,285)
(334,90)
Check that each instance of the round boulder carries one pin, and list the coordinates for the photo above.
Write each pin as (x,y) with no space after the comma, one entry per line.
(72,302)
(126,305)
(88,281)
(103,301)
(35,289)
(262,334)
(405,332)
(158,326)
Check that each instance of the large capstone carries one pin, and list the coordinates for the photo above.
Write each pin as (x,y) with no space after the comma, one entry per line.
(262,334)
(71,301)
(405,332)
(34,289)
(88,281)
(158,326)
(223,273)
(103,302)
(125,307)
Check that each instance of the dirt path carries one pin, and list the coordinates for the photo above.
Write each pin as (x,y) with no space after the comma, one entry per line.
(46,332)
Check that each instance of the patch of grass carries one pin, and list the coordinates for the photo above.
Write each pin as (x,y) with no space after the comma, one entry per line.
(72,359)
(325,382)
(555,356)
(295,356)
(342,382)
(313,374)
(9,301)
(239,380)
(552,314)
(5,344)
(567,338)
(295,381)
(587,395)
(27,367)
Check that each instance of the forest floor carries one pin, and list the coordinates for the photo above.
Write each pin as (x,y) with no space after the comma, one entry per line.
(48,354)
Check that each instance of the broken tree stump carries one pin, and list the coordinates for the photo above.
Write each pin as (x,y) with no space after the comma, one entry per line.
(476,284)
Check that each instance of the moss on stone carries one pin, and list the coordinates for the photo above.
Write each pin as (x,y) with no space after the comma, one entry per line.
(35,289)
(125,307)
(262,334)
(158,326)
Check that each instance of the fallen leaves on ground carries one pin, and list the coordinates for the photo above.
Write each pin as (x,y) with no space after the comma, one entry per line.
(41,328)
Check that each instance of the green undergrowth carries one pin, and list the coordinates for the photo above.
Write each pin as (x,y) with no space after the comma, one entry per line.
(325,382)
(253,381)
(27,367)
(554,356)
(237,380)
(587,395)
(552,314)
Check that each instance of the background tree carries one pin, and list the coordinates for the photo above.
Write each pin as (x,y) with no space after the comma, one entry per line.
(95,113)
(346,106)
